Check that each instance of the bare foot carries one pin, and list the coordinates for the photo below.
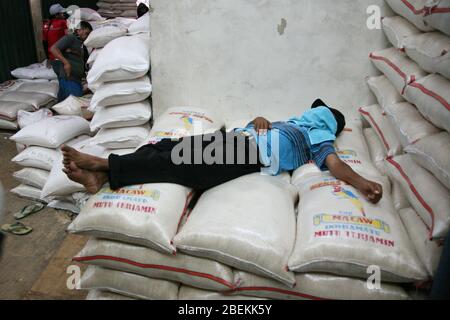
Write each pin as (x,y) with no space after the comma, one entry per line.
(91,180)
(83,160)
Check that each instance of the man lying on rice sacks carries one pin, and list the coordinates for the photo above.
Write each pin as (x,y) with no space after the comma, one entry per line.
(205,161)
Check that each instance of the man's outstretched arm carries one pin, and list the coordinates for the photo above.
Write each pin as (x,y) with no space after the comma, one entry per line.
(371,190)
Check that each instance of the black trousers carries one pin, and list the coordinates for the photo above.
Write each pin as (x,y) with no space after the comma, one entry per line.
(235,156)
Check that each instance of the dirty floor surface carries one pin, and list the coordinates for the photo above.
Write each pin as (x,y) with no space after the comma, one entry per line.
(25,258)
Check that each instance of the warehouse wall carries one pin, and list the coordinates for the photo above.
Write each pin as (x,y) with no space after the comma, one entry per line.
(261,57)
(17,47)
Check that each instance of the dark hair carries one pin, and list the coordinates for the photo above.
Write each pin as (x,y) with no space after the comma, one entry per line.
(85,25)
(340,118)
(142,9)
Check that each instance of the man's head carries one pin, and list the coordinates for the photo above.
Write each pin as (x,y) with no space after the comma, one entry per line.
(340,118)
(83,30)
(57,11)
(142,9)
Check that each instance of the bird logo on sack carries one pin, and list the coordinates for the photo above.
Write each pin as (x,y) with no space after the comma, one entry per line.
(188,122)
(134,191)
(348,156)
(343,193)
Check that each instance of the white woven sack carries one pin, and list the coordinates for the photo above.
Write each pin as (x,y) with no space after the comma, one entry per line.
(9,109)
(35,71)
(431,95)
(384,91)
(52,132)
(351,148)
(128,284)
(105,295)
(10,85)
(66,205)
(426,194)
(121,138)
(147,215)
(124,58)
(192,271)
(412,10)
(87,14)
(127,22)
(189,293)
(115,93)
(29,192)
(432,153)
(58,184)
(397,29)
(431,51)
(382,126)
(245,230)
(315,287)
(37,100)
(376,149)
(409,125)
(142,25)
(25,118)
(101,36)
(93,56)
(438,15)
(126,115)
(398,196)
(397,67)
(37,157)
(72,106)
(129,13)
(184,121)
(429,251)
(342,233)
(32,177)
(8,125)
(50,88)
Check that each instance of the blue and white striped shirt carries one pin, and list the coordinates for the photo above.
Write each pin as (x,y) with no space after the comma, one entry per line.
(287,147)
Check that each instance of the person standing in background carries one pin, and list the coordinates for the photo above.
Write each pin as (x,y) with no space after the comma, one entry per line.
(142,9)
(54,29)
(69,65)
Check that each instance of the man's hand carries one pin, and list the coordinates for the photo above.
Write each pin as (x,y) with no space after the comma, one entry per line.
(371,190)
(67,69)
(261,125)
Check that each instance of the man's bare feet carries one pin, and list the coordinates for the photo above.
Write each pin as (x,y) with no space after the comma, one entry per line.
(83,160)
(91,180)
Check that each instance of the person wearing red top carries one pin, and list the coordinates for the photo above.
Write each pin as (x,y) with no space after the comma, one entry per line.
(54,29)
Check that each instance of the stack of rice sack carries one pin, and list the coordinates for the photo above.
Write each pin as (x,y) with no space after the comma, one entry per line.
(338,236)
(236,244)
(132,250)
(409,134)
(121,84)
(26,95)
(41,155)
(117,8)
(121,114)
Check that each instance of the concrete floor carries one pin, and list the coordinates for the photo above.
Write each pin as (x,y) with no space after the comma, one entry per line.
(24,258)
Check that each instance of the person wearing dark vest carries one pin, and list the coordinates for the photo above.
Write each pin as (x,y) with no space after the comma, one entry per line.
(269,148)
(70,61)
(54,29)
